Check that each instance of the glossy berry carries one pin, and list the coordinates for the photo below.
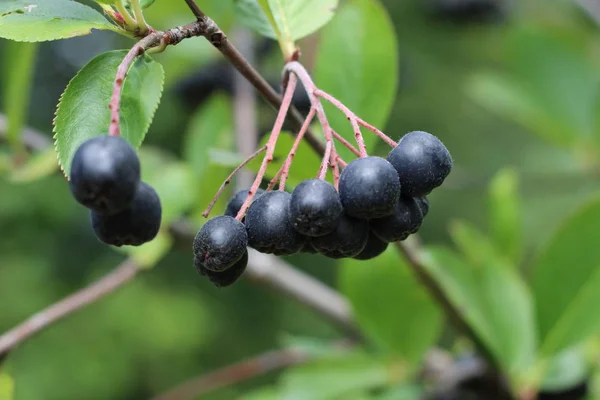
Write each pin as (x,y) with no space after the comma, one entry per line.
(347,240)
(134,226)
(237,201)
(373,248)
(422,162)
(369,188)
(105,173)
(315,208)
(220,243)
(407,219)
(423,203)
(268,226)
(227,277)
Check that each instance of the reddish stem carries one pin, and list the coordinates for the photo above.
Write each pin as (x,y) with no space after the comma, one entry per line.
(285,170)
(346,143)
(326,160)
(391,142)
(206,212)
(336,173)
(341,162)
(285,105)
(275,179)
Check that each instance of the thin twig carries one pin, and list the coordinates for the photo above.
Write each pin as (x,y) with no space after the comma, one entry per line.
(345,143)
(195,9)
(285,169)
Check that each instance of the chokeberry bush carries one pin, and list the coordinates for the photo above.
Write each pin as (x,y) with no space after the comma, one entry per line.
(333,175)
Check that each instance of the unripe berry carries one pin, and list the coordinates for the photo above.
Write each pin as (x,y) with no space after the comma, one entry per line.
(227,277)
(369,188)
(134,226)
(407,219)
(237,201)
(105,173)
(315,208)
(373,248)
(220,243)
(347,240)
(422,162)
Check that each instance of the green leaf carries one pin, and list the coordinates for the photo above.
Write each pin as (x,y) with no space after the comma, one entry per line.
(494,301)
(266,393)
(505,216)
(357,70)
(565,370)
(40,165)
(7,387)
(18,73)
(387,300)
(83,109)
(143,3)
(566,282)
(24,21)
(256,16)
(477,249)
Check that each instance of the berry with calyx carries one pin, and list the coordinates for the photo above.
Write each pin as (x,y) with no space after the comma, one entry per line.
(105,173)
(134,226)
(237,201)
(373,248)
(422,162)
(423,203)
(220,243)
(315,208)
(227,277)
(269,229)
(347,240)
(369,188)
(406,219)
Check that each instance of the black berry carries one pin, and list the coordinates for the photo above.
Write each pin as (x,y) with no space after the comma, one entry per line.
(269,229)
(422,162)
(227,277)
(373,248)
(315,208)
(220,243)
(347,240)
(308,248)
(105,173)
(369,188)
(134,226)
(237,201)
(423,203)
(406,219)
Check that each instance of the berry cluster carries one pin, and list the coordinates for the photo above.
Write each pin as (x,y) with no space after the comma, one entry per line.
(378,201)
(105,178)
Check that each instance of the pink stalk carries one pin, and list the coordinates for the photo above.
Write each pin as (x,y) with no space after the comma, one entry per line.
(326,161)
(346,144)
(376,131)
(285,171)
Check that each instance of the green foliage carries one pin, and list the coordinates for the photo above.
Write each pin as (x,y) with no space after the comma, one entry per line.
(38,166)
(23,21)
(363,72)
(390,305)
(565,370)
(6,386)
(505,215)
(83,113)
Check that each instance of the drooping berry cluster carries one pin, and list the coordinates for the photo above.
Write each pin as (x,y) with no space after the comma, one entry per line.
(105,178)
(378,201)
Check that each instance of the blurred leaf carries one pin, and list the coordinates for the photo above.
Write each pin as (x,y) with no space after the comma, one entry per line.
(387,299)
(495,302)
(83,109)
(565,370)
(312,346)
(351,66)
(38,166)
(18,76)
(143,3)
(505,216)
(267,393)
(475,246)
(151,253)
(404,392)
(334,377)
(23,21)
(7,387)
(256,15)
(566,282)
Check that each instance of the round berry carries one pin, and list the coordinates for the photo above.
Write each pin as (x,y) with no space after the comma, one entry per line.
(269,229)
(347,240)
(105,173)
(422,162)
(227,277)
(220,243)
(315,208)
(134,226)
(373,248)
(423,203)
(237,201)
(369,188)
(407,219)
(308,248)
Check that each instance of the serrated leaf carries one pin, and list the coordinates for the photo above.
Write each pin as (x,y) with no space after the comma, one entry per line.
(505,215)
(566,282)
(24,21)
(83,109)
(38,166)
(352,67)
(387,299)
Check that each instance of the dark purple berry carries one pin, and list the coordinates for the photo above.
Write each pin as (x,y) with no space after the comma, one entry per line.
(227,277)
(406,219)
(134,226)
(369,188)
(308,248)
(422,162)
(315,208)
(105,173)
(423,203)
(373,248)
(237,201)
(269,229)
(347,240)
(220,243)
